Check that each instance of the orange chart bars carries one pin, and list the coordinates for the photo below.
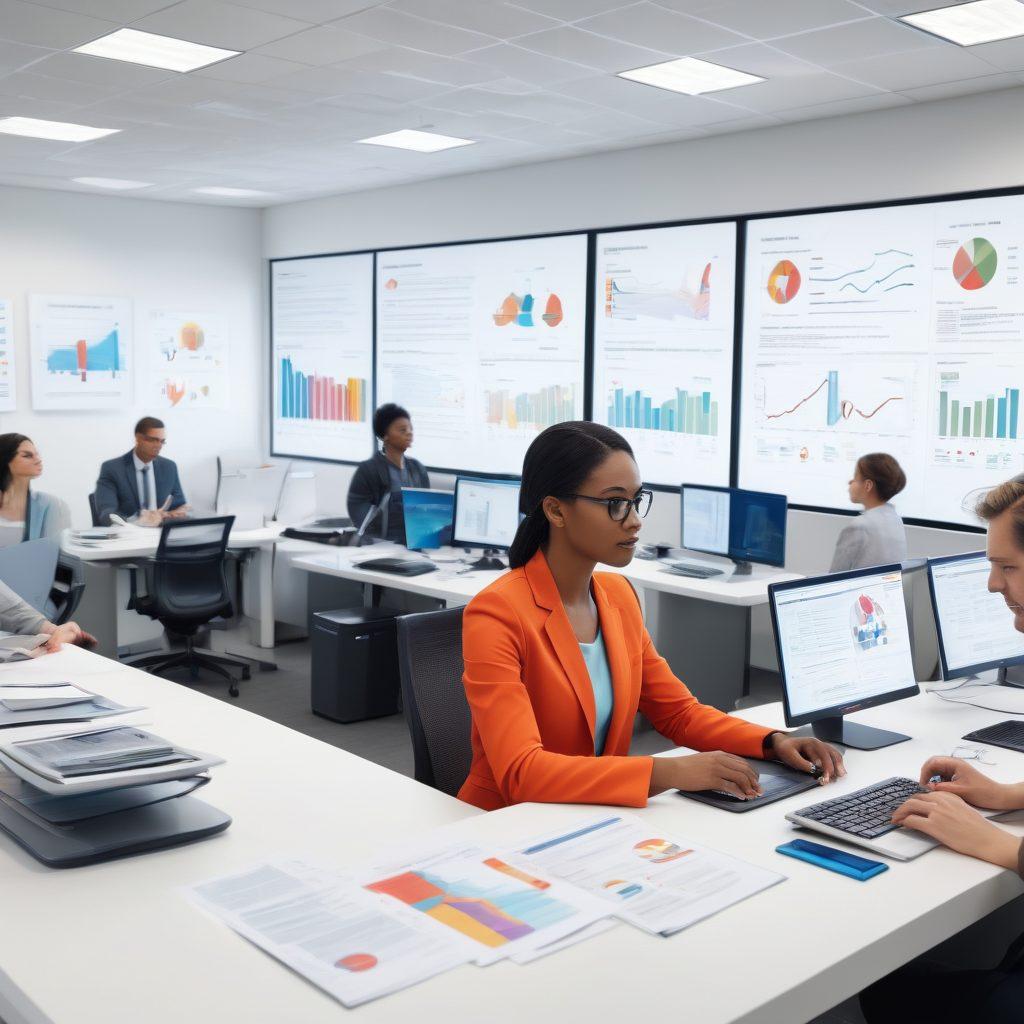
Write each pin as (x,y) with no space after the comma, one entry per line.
(321,398)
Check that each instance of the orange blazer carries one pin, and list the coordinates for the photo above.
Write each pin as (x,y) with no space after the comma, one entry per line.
(532,701)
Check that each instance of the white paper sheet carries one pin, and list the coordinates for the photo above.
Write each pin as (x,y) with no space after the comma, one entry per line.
(654,882)
(352,944)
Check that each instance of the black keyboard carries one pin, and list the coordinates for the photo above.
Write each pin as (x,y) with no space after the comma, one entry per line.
(399,566)
(1009,735)
(866,813)
(333,523)
(697,572)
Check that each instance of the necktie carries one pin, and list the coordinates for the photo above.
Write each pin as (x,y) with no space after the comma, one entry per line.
(145,487)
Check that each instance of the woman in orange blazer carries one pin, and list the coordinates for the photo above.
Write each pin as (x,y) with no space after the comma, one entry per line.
(558,660)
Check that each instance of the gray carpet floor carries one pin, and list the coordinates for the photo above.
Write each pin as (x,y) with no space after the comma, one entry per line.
(283,697)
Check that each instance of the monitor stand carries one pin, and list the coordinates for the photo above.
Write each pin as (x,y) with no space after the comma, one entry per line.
(742,568)
(852,734)
(1003,679)
(488,560)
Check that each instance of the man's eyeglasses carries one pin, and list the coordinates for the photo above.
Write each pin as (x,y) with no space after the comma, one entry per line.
(154,440)
(618,508)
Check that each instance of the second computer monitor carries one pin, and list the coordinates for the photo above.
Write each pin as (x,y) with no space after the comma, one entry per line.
(745,526)
(428,517)
(844,645)
(486,513)
(974,627)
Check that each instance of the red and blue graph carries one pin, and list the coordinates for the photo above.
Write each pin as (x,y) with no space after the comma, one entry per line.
(82,358)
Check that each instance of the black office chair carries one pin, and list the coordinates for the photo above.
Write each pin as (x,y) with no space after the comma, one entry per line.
(436,711)
(186,587)
(94,510)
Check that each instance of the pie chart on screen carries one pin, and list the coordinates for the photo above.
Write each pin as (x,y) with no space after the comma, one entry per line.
(783,282)
(974,264)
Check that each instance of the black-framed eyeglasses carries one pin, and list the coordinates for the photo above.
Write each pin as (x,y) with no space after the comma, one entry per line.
(618,508)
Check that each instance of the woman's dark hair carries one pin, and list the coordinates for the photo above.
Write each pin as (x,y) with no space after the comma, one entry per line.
(884,472)
(385,416)
(556,464)
(9,445)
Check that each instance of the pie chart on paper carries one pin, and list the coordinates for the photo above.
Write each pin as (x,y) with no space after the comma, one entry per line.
(974,264)
(783,282)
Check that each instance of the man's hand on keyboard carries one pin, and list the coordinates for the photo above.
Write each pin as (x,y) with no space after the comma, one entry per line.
(953,823)
(805,753)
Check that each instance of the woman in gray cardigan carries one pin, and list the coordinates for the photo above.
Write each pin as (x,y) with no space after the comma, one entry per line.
(876,536)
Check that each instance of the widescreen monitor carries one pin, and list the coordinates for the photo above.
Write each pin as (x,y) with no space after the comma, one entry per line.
(745,526)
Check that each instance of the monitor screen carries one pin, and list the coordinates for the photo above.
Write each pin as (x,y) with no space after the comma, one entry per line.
(843,642)
(486,512)
(428,517)
(746,526)
(975,627)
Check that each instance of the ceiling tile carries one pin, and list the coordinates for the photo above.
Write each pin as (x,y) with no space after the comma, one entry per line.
(569,10)
(759,59)
(117,74)
(572,44)
(552,109)
(949,90)
(41,26)
(314,11)
(250,68)
(15,56)
(400,60)
(895,8)
(766,20)
(220,24)
(646,24)
(56,90)
(510,87)
(501,20)
(324,44)
(515,62)
(1006,55)
(840,108)
(47,110)
(401,29)
(786,93)
(869,38)
(120,11)
(918,68)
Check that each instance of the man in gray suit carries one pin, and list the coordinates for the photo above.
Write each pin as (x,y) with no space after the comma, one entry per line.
(141,484)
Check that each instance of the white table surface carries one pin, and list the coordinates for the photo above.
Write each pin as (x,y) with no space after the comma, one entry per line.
(141,541)
(118,943)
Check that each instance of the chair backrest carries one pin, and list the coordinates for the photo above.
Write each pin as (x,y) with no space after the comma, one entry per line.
(436,710)
(188,580)
(29,568)
(94,510)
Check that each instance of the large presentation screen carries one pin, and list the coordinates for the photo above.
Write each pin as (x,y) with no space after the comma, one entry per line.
(896,329)
(664,302)
(321,347)
(483,343)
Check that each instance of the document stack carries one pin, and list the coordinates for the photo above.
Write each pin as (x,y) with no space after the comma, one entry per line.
(88,795)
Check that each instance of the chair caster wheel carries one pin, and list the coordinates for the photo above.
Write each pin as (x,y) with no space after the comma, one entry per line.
(246,674)
(233,690)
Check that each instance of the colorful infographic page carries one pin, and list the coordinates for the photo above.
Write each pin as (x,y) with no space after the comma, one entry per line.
(322,354)
(898,330)
(664,301)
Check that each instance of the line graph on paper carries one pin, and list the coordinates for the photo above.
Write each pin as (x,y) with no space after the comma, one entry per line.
(880,273)
(857,399)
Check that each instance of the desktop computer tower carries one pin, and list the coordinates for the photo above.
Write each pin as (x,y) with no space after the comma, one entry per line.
(354,672)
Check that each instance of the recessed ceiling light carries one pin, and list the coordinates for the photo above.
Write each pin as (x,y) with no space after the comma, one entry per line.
(61,131)
(230,193)
(690,75)
(983,21)
(419,142)
(128,44)
(114,183)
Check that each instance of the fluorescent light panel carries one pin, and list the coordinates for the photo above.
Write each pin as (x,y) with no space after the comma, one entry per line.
(114,183)
(983,21)
(419,142)
(690,75)
(166,52)
(230,193)
(60,131)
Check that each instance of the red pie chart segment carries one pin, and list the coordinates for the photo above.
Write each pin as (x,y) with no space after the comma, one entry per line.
(974,264)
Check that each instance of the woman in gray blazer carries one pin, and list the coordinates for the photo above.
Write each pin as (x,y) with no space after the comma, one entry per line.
(877,535)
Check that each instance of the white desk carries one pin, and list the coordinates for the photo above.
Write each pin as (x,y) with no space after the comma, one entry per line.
(701,627)
(116,943)
(99,608)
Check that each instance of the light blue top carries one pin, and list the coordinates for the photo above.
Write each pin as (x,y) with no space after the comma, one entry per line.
(596,658)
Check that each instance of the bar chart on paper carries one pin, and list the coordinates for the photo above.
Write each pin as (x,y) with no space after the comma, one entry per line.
(687,412)
(964,413)
(538,409)
(316,397)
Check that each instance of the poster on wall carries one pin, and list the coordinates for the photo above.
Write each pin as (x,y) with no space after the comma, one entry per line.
(7,389)
(188,360)
(81,352)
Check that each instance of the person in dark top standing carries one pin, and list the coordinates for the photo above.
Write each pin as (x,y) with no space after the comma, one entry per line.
(386,474)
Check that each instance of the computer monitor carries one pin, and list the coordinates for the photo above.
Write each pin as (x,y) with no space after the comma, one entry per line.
(428,517)
(974,627)
(844,645)
(745,526)
(486,515)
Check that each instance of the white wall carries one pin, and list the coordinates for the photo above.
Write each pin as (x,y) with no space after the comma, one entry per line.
(200,258)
